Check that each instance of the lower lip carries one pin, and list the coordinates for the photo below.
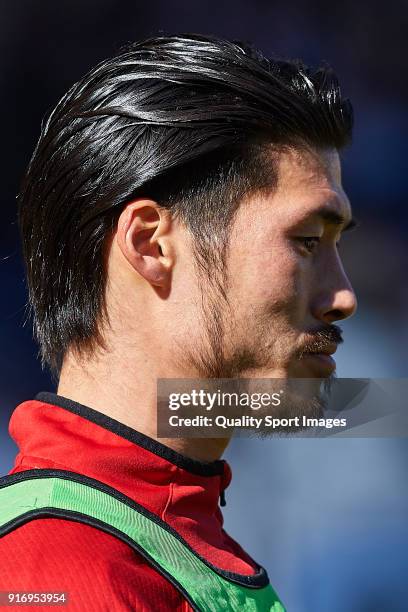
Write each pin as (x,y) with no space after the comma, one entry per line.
(324,364)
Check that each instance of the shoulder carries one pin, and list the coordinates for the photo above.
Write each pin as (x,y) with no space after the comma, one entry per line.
(96,570)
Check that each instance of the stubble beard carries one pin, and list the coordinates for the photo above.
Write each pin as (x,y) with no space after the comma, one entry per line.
(224,352)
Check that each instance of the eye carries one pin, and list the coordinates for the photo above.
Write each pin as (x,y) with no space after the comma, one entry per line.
(309,242)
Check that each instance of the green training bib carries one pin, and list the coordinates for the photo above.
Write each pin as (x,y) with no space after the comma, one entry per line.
(35,494)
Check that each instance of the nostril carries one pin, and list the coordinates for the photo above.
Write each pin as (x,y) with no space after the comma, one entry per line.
(337,314)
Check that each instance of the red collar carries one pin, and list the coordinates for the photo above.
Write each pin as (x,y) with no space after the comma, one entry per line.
(55,432)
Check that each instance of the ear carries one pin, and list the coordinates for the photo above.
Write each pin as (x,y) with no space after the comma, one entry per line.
(143,238)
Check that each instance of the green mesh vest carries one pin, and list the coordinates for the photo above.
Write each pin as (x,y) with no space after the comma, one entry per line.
(43,493)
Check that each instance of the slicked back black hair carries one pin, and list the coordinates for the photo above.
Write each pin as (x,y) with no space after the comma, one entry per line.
(185,120)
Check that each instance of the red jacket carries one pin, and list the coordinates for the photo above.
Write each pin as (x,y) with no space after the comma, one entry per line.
(98,571)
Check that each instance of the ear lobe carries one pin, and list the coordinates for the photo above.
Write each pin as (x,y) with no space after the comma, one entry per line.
(141,232)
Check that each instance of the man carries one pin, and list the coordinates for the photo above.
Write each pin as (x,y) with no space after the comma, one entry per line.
(180,219)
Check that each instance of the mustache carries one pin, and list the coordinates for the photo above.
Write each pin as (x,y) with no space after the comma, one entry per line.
(321,339)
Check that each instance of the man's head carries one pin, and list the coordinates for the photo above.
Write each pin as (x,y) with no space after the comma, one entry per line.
(185,197)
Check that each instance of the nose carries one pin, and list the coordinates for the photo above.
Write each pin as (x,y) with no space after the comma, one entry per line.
(336,300)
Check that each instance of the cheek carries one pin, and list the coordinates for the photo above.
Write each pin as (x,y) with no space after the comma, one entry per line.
(273,280)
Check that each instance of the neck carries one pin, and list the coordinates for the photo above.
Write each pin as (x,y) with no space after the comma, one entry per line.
(128,394)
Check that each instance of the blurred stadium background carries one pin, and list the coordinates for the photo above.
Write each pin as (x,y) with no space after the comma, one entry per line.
(328,518)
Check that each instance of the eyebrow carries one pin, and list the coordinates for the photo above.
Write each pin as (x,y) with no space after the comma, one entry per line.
(332,217)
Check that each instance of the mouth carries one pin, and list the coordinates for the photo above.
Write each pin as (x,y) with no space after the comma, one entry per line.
(321,362)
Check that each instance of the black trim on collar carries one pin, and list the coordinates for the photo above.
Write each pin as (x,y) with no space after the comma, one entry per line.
(199,468)
(258,580)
